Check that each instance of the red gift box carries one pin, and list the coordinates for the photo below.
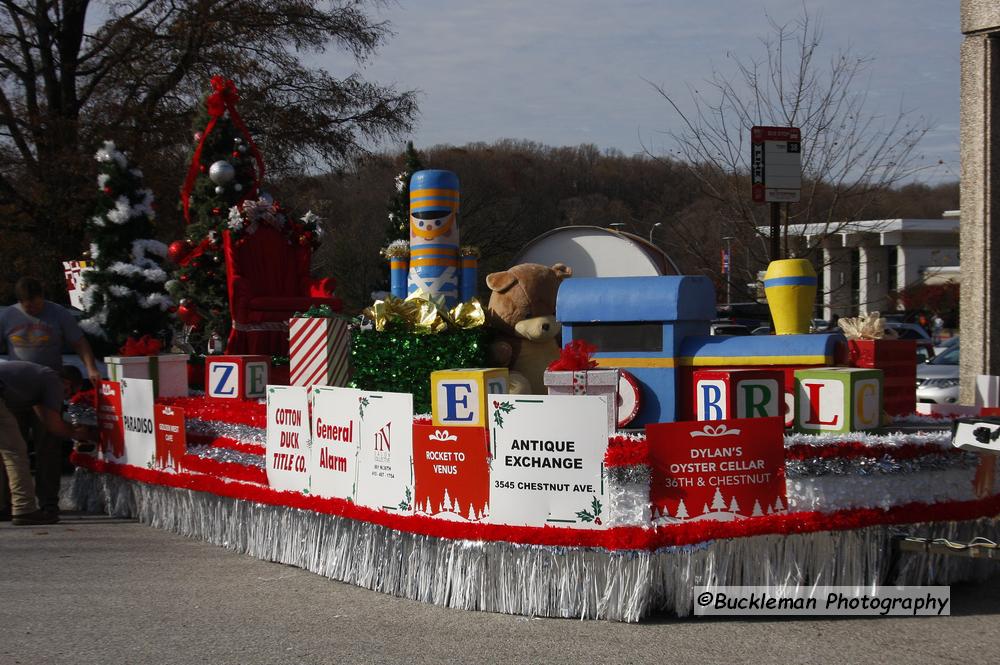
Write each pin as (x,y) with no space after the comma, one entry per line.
(897,358)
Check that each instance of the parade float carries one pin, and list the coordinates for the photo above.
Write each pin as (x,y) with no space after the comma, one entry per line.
(436,449)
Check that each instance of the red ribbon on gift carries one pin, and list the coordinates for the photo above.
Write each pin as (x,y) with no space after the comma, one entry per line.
(144,346)
(574,357)
(223,99)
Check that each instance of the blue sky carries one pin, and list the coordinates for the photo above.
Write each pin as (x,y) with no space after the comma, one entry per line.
(565,72)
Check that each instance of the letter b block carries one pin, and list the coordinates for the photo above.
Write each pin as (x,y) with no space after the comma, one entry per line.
(458,396)
(837,400)
(236,377)
(722,394)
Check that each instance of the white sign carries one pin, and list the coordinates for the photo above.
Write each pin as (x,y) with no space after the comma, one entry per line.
(385,457)
(982,436)
(548,460)
(336,426)
(137,419)
(287,452)
(776,164)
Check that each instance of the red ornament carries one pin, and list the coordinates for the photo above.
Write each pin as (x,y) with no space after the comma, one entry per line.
(107,190)
(202,168)
(184,277)
(236,153)
(188,315)
(216,211)
(178,249)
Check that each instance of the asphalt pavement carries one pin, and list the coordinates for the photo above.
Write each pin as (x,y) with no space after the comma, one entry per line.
(99,590)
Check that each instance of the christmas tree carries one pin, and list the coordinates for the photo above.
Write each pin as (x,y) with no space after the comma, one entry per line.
(225,171)
(124,294)
(398,227)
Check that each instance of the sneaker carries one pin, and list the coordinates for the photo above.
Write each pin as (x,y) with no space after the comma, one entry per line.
(35,518)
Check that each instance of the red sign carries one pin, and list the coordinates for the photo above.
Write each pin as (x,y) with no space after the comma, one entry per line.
(171,439)
(719,470)
(109,418)
(451,472)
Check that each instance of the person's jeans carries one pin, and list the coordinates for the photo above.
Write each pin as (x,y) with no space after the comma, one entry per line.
(14,451)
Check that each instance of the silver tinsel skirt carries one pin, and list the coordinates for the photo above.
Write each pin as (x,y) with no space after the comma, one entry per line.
(533,580)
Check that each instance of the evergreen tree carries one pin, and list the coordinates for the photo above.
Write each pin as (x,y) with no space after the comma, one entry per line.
(398,227)
(757,512)
(718,502)
(682,512)
(226,174)
(124,294)
(734,507)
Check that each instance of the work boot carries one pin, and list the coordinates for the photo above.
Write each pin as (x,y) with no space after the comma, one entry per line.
(36,518)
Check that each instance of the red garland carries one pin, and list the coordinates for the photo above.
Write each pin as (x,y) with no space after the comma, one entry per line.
(623,451)
(219,469)
(147,345)
(223,99)
(617,538)
(233,412)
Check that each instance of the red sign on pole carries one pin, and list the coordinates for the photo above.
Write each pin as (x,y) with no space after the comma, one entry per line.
(776,164)
(109,418)
(451,472)
(720,470)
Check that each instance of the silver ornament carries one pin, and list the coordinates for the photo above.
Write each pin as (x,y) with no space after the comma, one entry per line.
(221,172)
(237,140)
(241,148)
(238,187)
(220,190)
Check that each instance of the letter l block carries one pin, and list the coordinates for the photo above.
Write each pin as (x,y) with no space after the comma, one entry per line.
(837,400)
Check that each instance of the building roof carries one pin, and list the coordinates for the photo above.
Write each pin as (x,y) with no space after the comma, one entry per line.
(890,231)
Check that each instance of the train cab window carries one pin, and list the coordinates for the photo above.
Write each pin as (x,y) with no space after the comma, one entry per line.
(621,337)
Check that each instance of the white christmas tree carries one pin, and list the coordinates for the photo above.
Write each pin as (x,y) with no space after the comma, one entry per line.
(457,509)
(757,512)
(682,511)
(472,513)
(429,510)
(778,506)
(718,502)
(486,510)
(705,510)
(664,512)
(770,510)
(447,501)
(734,507)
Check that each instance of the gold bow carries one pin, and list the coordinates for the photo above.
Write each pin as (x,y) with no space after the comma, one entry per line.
(869,326)
(424,315)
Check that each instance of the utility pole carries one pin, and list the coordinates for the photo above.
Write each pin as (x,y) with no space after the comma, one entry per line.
(727,269)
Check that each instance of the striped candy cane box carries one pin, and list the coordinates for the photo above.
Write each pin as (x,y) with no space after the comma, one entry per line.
(319,351)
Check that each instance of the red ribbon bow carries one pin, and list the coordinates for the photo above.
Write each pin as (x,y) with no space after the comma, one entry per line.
(574,357)
(144,346)
(223,99)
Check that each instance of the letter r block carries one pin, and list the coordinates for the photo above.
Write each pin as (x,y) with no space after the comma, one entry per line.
(458,396)
(837,400)
(236,377)
(721,394)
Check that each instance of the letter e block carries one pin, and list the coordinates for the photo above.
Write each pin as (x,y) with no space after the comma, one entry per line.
(837,400)
(721,394)
(236,377)
(458,396)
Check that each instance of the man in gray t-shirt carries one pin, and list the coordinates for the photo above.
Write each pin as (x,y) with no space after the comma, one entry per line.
(35,330)
(23,386)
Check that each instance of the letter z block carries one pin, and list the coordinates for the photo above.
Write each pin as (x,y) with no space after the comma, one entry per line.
(837,400)
(458,396)
(236,377)
(722,394)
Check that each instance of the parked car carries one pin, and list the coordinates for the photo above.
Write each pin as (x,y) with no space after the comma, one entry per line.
(761,330)
(937,379)
(728,329)
(946,344)
(925,345)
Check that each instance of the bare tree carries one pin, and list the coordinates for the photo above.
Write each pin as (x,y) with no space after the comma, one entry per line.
(850,154)
(73,72)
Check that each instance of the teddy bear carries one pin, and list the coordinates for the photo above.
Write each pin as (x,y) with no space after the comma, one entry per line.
(522,310)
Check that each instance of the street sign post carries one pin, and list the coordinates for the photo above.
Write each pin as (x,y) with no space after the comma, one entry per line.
(776,172)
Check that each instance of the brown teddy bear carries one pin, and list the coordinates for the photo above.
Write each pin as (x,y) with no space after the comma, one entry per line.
(522,310)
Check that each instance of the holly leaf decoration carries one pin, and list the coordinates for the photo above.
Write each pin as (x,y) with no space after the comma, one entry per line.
(405,503)
(592,515)
(501,408)
(362,403)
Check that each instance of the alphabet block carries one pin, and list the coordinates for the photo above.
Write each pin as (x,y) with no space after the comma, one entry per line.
(837,400)
(236,377)
(724,394)
(458,396)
